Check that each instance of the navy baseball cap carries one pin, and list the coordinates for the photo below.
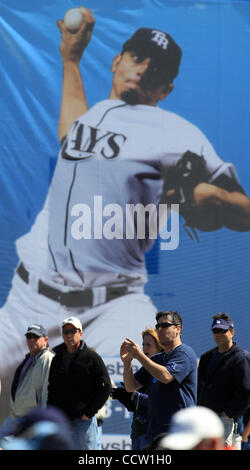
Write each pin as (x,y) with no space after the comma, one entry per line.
(37,330)
(222,324)
(40,429)
(158,44)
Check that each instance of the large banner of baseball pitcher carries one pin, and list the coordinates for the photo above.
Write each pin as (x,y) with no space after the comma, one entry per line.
(125,175)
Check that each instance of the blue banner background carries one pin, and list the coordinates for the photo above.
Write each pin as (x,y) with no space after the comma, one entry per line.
(212,90)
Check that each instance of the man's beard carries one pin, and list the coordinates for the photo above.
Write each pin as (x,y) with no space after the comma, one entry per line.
(130,97)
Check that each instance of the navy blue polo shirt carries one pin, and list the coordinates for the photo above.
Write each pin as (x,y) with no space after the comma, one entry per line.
(166,399)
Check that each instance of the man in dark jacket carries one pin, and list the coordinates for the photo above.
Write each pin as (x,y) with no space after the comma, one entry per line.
(224,376)
(79,384)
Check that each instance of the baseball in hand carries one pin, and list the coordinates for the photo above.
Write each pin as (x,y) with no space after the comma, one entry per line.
(73,19)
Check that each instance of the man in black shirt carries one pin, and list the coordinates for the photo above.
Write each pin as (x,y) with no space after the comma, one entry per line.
(224,376)
(79,384)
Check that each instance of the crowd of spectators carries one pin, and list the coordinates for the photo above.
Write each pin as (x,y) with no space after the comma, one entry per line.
(179,401)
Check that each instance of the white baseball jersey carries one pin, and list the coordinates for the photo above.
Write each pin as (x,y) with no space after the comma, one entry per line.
(87,233)
(85,237)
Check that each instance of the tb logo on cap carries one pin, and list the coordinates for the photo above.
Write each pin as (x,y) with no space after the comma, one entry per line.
(160,38)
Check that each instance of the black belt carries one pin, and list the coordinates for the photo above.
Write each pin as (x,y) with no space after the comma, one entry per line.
(74,298)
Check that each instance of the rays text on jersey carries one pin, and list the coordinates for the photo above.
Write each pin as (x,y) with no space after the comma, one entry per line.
(135,221)
(86,141)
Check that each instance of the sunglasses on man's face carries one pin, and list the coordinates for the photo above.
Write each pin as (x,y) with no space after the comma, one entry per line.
(69,331)
(164,325)
(217,331)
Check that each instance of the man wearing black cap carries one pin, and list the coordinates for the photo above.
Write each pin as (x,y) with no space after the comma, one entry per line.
(30,381)
(157,57)
(224,376)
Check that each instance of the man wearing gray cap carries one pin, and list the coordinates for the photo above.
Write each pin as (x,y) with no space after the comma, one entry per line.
(224,376)
(79,384)
(30,381)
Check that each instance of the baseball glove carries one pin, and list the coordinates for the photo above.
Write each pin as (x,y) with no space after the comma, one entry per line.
(189,171)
